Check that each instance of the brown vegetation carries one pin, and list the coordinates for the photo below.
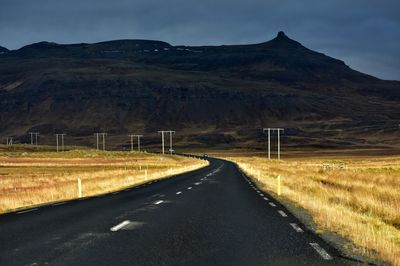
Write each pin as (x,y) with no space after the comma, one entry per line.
(356,197)
(30,178)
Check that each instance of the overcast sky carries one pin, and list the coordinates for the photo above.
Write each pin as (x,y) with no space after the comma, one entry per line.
(363,33)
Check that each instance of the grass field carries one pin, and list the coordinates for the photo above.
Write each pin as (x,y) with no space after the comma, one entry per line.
(360,201)
(29,177)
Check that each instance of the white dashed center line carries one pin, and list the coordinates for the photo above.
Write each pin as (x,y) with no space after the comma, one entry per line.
(282,213)
(296,228)
(189,187)
(272,204)
(179,192)
(197,183)
(119,226)
(265,198)
(31,210)
(321,251)
(158,202)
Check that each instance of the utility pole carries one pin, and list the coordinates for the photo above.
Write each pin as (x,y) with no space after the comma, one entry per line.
(170,141)
(62,141)
(162,140)
(132,136)
(138,141)
(103,140)
(269,140)
(34,140)
(9,141)
(279,143)
(97,141)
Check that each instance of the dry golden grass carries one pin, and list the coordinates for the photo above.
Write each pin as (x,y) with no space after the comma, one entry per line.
(360,202)
(30,178)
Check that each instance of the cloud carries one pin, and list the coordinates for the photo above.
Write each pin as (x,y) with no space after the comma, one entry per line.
(365,34)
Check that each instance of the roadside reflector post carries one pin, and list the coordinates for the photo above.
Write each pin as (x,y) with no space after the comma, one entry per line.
(258,177)
(79,188)
(278,180)
(145,174)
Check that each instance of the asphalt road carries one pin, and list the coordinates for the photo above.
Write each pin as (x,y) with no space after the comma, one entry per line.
(212,216)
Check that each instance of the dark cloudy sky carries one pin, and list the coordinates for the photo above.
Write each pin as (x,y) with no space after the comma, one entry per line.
(363,33)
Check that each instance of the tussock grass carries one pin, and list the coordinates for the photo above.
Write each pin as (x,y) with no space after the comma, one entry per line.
(360,202)
(35,177)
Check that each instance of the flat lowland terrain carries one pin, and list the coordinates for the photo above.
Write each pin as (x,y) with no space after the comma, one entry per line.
(357,197)
(29,177)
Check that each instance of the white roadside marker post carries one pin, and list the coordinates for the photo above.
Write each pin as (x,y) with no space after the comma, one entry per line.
(145,174)
(79,188)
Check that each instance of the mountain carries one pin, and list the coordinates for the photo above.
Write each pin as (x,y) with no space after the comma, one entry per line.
(3,50)
(227,93)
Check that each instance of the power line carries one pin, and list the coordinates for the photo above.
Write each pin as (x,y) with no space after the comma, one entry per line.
(138,141)
(9,141)
(269,140)
(171,150)
(103,135)
(162,140)
(34,140)
(62,141)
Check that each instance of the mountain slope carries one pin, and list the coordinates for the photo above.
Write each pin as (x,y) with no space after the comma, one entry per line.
(3,50)
(226,92)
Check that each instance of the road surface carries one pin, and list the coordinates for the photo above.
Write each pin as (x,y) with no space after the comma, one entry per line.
(212,216)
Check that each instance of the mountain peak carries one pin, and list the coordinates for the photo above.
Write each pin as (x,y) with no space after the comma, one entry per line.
(281,34)
(282,40)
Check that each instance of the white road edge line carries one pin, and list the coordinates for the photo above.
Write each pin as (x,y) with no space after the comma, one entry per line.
(321,251)
(272,204)
(31,210)
(158,202)
(57,204)
(179,192)
(296,228)
(119,226)
(265,198)
(282,213)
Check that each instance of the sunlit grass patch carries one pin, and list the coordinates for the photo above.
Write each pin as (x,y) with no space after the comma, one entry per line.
(360,201)
(35,177)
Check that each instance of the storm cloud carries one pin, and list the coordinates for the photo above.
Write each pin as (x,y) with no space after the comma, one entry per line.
(364,34)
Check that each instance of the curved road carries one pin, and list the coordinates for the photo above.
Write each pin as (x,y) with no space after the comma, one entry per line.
(212,216)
